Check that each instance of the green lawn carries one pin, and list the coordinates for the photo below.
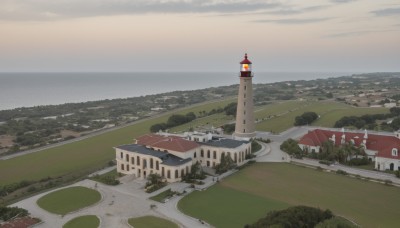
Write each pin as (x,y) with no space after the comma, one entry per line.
(82,157)
(151,222)
(329,112)
(87,221)
(160,197)
(275,186)
(68,199)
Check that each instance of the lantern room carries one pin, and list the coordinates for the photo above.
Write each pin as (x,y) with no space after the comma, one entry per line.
(245,67)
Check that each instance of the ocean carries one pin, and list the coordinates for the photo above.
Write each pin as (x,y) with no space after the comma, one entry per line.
(33,89)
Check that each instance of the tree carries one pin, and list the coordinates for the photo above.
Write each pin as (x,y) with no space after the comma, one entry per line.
(305,118)
(226,163)
(230,109)
(298,216)
(154,179)
(229,128)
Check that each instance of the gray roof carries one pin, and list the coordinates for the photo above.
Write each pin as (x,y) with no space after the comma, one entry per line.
(167,158)
(224,142)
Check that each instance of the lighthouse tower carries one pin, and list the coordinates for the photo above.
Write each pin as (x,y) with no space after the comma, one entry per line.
(245,128)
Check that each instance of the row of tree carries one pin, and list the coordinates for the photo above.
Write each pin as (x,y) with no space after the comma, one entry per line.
(173,121)
(369,120)
(297,216)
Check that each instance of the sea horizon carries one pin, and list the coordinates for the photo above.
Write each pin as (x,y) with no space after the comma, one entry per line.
(29,89)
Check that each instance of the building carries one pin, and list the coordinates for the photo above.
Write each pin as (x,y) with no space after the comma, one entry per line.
(245,127)
(383,149)
(171,155)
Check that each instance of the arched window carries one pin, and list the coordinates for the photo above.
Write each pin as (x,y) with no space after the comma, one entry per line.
(214,154)
(202,153)
(195,155)
(151,163)
(168,174)
(157,165)
(132,160)
(208,153)
(137,160)
(176,173)
(394,152)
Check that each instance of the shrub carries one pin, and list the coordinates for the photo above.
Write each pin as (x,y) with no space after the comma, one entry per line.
(298,216)
(341,172)
(325,162)
(397,173)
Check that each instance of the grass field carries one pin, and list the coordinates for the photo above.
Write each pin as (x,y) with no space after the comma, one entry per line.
(161,196)
(259,188)
(87,221)
(82,157)
(329,112)
(151,222)
(68,199)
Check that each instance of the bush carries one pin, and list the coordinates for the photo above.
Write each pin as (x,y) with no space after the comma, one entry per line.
(7,213)
(298,216)
(341,172)
(397,173)
(358,161)
(291,147)
(325,162)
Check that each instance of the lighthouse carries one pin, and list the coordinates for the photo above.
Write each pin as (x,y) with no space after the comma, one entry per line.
(245,128)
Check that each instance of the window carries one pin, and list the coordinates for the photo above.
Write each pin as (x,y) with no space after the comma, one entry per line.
(151,163)
(202,153)
(157,165)
(215,155)
(244,95)
(244,87)
(244,121)
(194,155)
(208,153)
(137,160)
(127,168)
(244,104)
(132,160)
(244,130)
(176,173)
(244,112)
(168,174)
(122,167)
(122,155)
(127,157)
(394,152)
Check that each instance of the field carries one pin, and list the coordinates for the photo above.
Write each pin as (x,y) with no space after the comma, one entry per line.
(259,188)
(87,221)
(329,111)
(82,157)
(68,199)
(151,222)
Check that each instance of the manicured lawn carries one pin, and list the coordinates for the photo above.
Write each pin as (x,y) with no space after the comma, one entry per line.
(68,199)
(160,197)
(275,186)
(87,221)
(151,222)
(82,157)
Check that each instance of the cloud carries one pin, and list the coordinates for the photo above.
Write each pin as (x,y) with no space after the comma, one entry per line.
(294,20)
(357,33)
(387,12)
(292,11)
(53,9)
(342,1)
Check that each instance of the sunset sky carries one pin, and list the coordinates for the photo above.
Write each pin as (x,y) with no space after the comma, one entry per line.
(199,35)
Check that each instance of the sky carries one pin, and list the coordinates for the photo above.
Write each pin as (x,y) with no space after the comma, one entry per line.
(199,35)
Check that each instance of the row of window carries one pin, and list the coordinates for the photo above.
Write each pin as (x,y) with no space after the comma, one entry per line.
(176,173)
(144,161)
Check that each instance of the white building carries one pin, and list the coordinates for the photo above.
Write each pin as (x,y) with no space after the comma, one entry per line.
(171,156)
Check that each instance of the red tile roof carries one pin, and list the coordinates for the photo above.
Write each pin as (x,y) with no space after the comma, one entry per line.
(172,143)
(381,143)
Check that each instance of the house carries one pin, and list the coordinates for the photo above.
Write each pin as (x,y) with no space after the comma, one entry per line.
(172,155)
(383,149)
